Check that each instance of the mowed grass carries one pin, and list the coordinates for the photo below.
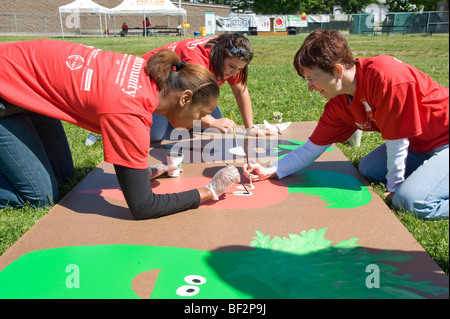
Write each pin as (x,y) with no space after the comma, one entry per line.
(274,86)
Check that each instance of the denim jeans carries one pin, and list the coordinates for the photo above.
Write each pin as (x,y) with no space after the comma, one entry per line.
(34,157)
(425,190)
(161,128)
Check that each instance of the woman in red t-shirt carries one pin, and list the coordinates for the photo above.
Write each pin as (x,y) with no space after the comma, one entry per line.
(124,32)
(146,26)
(227,57)
(108,93)
(385,95)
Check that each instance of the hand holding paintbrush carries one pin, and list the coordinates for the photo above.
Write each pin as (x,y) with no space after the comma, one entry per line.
(249,176)
(240,151)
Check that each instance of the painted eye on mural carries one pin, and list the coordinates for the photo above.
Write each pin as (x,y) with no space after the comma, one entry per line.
(188,291)
(195,280)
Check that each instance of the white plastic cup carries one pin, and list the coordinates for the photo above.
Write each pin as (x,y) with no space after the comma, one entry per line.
(174,159)
(355,139)
(91,139)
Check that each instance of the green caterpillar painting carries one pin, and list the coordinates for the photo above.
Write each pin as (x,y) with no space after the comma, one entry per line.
(300,266)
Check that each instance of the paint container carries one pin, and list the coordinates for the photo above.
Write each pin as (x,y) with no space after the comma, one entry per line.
(278,117)
(91,139)
(355,139)
(174,159)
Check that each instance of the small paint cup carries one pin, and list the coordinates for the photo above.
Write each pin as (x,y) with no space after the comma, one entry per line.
(91,139)
(174,159)
(278,116)
(355,139)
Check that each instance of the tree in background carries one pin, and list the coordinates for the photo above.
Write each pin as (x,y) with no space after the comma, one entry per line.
(242,5)
(354,6)
(288,6)
(428,5)
(411,5)
(278,6)
(236,5)
(316,6)
(294,6)
(322,6)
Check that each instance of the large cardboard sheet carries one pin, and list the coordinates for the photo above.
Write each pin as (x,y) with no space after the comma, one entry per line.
(94,213)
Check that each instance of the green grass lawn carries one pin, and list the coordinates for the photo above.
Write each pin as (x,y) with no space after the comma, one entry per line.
(274,86)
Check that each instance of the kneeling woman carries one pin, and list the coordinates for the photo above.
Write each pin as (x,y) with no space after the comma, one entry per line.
(45,81)
(227,57)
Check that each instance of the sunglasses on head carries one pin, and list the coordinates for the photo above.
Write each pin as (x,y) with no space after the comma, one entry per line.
(241,53)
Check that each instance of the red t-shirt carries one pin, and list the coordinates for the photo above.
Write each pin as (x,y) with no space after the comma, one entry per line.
(194,51)
(103,92)
(392,98)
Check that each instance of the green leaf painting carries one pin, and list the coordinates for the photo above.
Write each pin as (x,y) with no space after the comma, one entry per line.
(284,147)
(299,266)
(337,190)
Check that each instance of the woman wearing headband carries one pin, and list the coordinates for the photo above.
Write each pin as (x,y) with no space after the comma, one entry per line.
(227,57)
(116,95)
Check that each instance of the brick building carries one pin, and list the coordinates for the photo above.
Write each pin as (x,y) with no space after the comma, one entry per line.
(42,17)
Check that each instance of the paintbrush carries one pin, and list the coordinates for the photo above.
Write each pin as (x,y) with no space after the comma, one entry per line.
(234,131)
(249,177)
(247,192)
(246,156)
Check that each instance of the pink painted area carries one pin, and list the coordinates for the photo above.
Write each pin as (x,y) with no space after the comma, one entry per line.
(266,193)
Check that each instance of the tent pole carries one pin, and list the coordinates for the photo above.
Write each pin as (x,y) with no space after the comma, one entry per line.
(114,22)
(101,26)
(106,26)
(62,29)
(145,26)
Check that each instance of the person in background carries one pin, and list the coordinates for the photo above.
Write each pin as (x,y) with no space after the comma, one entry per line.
(227,57)
(381,94)
(124,32)
(146,26)
(44,81)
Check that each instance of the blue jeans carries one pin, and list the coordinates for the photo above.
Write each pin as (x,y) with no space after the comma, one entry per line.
(426,187)
(34,157)
(161,128)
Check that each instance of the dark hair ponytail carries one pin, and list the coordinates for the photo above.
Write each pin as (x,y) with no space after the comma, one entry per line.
(166,70)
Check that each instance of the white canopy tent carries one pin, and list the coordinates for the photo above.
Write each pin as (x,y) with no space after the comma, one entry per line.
(149,8)
(84,6)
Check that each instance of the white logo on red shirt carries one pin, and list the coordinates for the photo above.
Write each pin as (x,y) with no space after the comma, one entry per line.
(133,80)
(193,44)
(75,62)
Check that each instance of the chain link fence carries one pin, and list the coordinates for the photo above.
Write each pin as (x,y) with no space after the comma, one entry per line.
(101,25)
(402,23)
(88,24)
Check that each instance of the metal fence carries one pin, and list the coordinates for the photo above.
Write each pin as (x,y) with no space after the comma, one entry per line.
(87,24)
(29,24)
(95,25)
(402,23)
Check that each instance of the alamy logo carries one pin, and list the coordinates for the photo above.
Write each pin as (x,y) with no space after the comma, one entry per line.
(374,14)
(73,21)
(73,279)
